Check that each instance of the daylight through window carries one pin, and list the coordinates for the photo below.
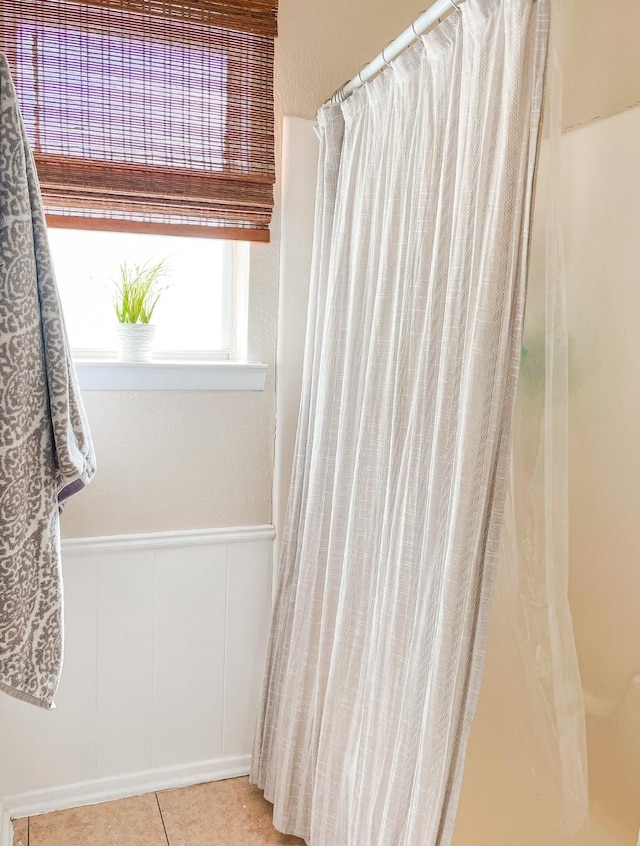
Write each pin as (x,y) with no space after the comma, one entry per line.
(193,315)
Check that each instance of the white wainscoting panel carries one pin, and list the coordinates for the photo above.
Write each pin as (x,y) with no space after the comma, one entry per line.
(165,639)
(190,609)
(247,622)
(6,828)
(124,692)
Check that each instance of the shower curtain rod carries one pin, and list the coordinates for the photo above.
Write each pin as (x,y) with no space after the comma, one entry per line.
(433,15)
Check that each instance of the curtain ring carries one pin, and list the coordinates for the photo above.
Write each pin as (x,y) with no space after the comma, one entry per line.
(384,58)
(455,5)
(413,27)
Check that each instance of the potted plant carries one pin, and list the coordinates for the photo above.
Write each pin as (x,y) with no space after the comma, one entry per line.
(137,292)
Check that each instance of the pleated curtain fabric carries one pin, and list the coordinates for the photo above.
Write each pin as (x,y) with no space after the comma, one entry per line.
(385,583)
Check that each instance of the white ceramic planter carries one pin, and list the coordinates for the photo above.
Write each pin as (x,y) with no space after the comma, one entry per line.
(135,341)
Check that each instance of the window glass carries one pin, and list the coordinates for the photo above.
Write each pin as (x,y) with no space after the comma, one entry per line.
(193,313)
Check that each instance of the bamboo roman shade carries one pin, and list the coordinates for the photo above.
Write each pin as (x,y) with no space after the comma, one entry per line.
(148,115)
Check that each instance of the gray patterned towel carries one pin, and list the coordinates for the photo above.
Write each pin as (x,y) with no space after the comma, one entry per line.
(46,453)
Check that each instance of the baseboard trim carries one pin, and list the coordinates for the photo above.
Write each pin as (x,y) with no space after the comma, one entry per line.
(118,787)
(153,540)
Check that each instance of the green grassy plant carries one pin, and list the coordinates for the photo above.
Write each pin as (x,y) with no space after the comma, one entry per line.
(138,290)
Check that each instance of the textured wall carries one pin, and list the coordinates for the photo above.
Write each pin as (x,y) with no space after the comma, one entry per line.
(602,59)
(173,460)
(322,45)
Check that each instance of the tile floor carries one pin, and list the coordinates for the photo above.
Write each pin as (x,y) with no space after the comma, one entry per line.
(221,813)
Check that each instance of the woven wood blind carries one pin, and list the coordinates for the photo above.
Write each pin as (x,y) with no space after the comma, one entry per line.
(148,115)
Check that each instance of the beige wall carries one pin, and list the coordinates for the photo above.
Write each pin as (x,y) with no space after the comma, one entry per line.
(602,218)
(323,44)
(602,58)
(299,169)
(178,460)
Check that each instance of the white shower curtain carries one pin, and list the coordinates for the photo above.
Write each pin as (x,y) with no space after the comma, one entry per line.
(415,324)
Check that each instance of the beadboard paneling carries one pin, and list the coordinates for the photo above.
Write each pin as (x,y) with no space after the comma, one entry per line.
(247,623)
(124,695)
(190,609)
(165,637)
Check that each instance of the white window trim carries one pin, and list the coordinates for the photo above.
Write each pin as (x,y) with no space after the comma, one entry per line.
(104,375)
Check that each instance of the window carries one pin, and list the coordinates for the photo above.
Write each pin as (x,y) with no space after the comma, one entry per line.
(194,314)
(151,123)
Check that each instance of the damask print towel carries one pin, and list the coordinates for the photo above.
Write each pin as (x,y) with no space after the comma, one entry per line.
(46,454)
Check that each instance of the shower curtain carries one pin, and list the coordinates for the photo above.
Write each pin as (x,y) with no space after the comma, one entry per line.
(415,323)
(525,778)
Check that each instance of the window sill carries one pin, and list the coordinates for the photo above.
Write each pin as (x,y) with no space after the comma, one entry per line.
(170,376)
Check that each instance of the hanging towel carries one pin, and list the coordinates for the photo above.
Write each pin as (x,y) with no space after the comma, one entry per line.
(46,454)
